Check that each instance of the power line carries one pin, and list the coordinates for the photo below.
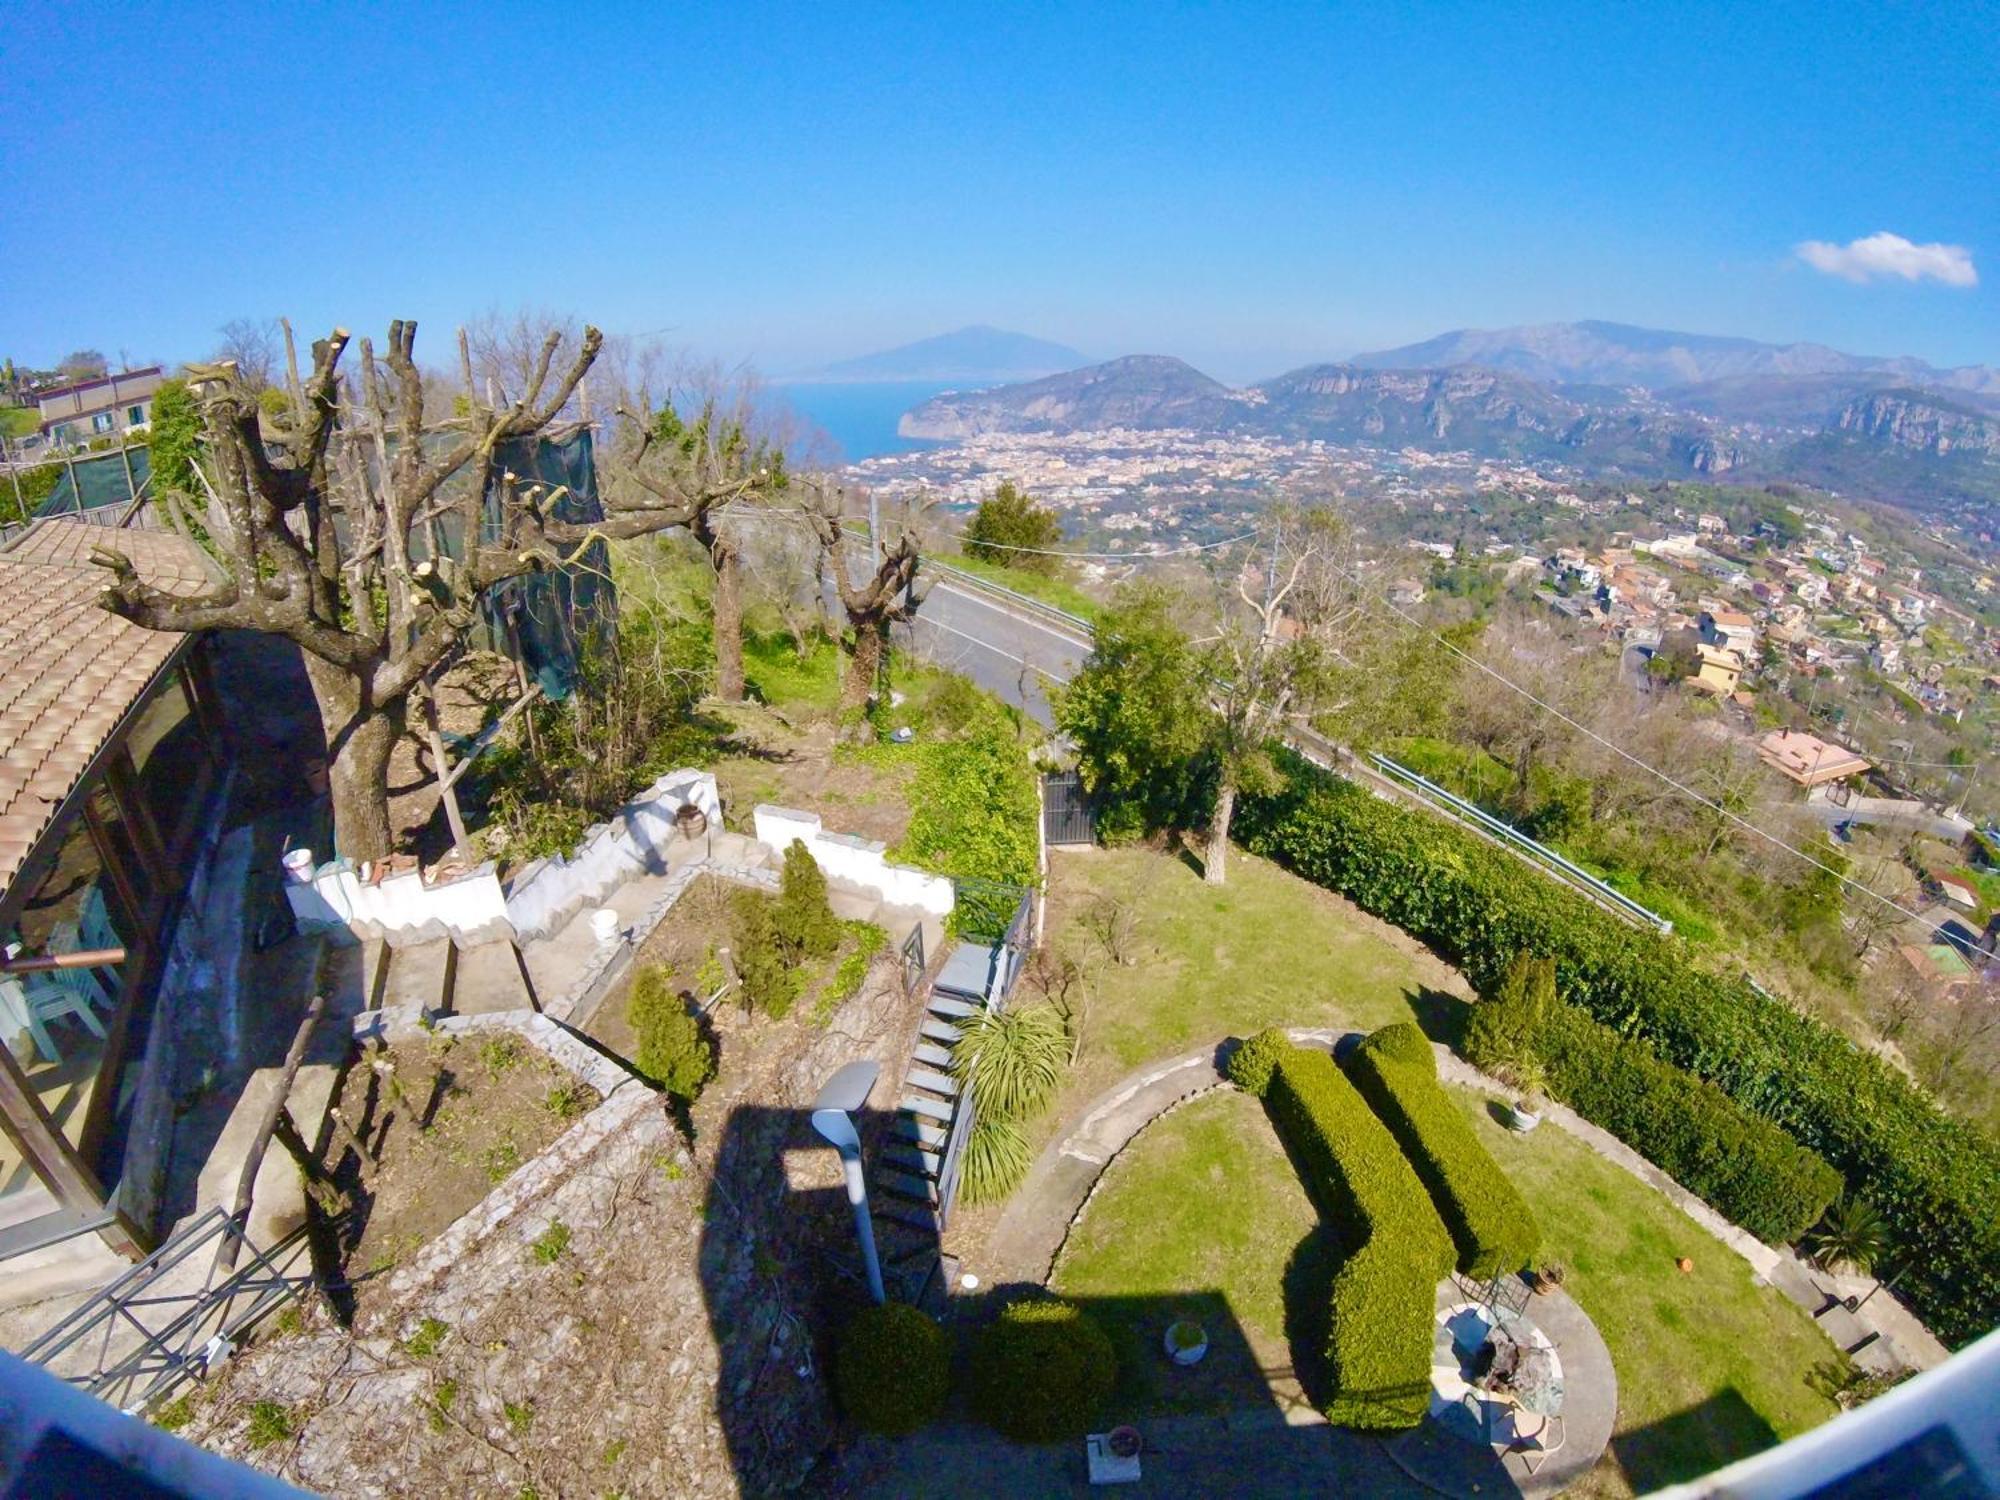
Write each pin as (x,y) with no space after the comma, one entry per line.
(1623,753)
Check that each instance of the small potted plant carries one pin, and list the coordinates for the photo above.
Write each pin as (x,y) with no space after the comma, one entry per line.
(1548,1278)
(1186,1341)
(1525,1113)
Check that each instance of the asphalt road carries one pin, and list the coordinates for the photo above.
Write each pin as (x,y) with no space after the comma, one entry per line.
(1013,655)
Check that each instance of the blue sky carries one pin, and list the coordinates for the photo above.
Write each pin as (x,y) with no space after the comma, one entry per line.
(1247,186)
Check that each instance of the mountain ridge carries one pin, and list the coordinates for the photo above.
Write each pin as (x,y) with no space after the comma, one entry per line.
(1595,352)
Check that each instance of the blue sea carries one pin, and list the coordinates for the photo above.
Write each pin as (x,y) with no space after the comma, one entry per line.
(860,418)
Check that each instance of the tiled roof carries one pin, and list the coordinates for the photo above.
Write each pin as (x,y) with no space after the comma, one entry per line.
(69,670)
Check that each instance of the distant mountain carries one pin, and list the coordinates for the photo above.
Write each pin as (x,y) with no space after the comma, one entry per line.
(1858,432)
(1616,354)
(976,354)
(1141,390)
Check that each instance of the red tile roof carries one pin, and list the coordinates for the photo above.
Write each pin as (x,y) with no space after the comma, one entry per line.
(70,670)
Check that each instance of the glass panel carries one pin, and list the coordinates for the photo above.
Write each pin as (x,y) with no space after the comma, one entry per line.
(55,1023)
(172,761)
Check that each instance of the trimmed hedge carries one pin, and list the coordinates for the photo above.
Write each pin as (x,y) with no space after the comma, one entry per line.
(1489,1220)
(1750,1170)
(1397,1250)
(1042,1371)
(892,1368)
(1250,1064)
(1936,1180)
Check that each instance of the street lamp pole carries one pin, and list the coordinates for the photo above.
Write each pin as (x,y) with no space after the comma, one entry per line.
(833,1118)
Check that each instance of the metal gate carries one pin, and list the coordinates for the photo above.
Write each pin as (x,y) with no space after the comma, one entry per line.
(1065,809)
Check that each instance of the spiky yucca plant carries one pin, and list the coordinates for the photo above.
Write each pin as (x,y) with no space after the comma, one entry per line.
(1010,1061)
(1852,1233)
(996,1159)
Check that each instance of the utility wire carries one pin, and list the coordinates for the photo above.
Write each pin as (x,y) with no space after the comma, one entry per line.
(1620,751)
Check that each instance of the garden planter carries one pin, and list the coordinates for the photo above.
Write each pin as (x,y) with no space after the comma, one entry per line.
(1186,1343)
(1521,1117)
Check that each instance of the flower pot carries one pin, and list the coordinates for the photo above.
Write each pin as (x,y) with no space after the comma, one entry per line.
(1186,1343)
(1521,1117)
(1124,1442)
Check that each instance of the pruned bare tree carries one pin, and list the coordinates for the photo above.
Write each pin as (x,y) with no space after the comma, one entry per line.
(1274,656)
(891,594)
(317,529)
(702,471)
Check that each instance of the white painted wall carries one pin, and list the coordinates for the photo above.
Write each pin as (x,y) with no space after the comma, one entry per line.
(852,861)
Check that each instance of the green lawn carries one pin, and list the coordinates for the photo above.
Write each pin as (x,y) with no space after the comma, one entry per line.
(1711,1366)
(1200,1219)
(1267,948)
(1203,1214)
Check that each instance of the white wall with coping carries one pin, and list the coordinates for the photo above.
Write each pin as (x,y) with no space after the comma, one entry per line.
(634,841)
(852,861)
(405,908)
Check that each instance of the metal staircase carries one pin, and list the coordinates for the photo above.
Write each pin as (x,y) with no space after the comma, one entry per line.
(916,1180)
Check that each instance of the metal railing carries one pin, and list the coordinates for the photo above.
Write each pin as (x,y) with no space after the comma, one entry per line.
(913,959)
(1452,804)
(170,1317)
(1012,944)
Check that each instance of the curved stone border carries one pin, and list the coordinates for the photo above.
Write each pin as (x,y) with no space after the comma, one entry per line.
(1076,1218)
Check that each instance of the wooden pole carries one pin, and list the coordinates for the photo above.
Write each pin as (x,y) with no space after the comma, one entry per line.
(447,793)
(239,1211)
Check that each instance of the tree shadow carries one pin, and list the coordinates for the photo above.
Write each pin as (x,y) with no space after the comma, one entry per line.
(1689,1443)
(1439,1015)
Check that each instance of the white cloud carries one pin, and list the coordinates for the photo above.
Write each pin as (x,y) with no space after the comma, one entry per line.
(1886,254)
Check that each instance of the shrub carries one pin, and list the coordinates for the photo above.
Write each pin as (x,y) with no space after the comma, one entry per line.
(803,920)
(770,980)
(1935,1179)
(672,1051)
(1010,1061)
(1379,1347)
(1489,1221)
(997,1156)
(1042,1372)
(1751,1171)
(1502,1033)
(973,813)
(1013,531)
(892,1369)
(1249,1066)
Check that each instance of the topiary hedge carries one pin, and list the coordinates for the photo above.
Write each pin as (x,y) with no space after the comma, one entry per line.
(1042,1371)
(1384,1294)
(1250,1064)
(1489,1220)
(1936,1180)
(892,1368)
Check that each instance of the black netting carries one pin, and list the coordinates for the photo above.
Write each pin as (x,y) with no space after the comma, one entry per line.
(97,479)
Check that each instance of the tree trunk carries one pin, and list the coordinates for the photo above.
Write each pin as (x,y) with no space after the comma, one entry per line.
(728,620)
(864,669)
(1212,869)
(359,739)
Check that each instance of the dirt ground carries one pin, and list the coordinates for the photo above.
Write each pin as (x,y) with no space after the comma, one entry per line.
(449,1120)
(771,758)
(478,689)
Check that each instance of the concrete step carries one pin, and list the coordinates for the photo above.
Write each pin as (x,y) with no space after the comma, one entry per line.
(937,1057)
(940,1031)
(933,1109)
(936,1083)
(908,1213)
(912,1159)
(945,1005)
(489,980)
(908,1185)
(420,977)
(923,1132)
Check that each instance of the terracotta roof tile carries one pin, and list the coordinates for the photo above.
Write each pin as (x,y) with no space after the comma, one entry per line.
(69,670)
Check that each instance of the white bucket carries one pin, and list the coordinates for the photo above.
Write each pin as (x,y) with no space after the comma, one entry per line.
(604,924)
(299,866)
